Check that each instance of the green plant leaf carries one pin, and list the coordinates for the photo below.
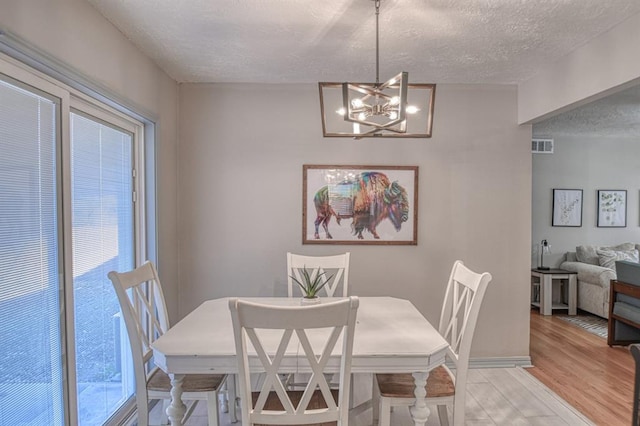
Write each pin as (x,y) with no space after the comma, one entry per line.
(310,287)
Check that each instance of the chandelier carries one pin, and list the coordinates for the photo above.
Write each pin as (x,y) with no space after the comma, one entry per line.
(377,109)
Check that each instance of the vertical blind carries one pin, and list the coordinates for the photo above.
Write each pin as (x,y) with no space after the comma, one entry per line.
(31,372)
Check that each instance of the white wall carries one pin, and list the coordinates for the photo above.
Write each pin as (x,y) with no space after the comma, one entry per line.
(606,64)
(73,32)
(241,153)
(590,164)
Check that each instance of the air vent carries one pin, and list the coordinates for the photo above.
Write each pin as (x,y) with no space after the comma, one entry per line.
(542,146)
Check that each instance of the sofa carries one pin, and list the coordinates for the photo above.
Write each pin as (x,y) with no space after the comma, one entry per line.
(595,267)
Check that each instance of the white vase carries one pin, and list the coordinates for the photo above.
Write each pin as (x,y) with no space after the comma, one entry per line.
(310,300)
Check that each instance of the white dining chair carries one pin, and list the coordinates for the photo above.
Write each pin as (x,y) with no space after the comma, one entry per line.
(318,329)
(458,317)
(145,315)
(336,268)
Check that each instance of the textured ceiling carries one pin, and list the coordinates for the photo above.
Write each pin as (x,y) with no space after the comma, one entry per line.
(436,41)
(616,115)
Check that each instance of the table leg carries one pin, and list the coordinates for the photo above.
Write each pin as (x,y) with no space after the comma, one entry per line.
(176,410)
(546,295)
(573,294)
(420,411)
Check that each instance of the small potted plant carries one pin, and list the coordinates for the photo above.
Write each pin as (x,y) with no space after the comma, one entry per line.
(311,286)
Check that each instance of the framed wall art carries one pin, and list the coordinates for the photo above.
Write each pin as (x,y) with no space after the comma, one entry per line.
(359,204)
(567,207)
(612,208)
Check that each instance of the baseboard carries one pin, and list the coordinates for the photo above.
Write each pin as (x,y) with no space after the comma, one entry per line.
(500,362)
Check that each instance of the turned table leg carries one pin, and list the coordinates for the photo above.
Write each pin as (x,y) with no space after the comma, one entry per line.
(177,409)
(419,411)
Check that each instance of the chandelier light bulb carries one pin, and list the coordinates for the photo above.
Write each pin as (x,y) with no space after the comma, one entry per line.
(341,111)
(362,116)
(357,103)
(412,109)
(394,101)
(393,115)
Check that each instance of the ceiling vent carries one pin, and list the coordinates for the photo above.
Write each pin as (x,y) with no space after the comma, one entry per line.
(542,146)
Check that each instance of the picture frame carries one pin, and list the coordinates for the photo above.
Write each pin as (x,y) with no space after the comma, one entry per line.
(612,208)
(360,205)
(567,208)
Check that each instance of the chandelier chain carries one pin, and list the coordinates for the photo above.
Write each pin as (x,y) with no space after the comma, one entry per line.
(377,5)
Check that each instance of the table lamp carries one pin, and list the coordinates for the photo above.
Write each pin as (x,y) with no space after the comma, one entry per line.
(545,248)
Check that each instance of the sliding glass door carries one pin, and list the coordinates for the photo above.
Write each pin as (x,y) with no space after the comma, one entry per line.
(68,216)
(103,241)
(31,364)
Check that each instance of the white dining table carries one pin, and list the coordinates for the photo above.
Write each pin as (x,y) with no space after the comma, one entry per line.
(391,336)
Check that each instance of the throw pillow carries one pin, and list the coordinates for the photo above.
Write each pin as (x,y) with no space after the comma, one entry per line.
(621,247)
(608,258)
(588,254)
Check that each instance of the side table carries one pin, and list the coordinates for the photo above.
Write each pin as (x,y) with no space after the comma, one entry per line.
(544,280)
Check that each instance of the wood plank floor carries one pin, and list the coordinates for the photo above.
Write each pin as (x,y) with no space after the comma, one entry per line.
(582,369)
(576,380)
(496,396)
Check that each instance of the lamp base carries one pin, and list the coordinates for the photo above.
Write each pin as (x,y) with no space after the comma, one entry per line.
(543,268)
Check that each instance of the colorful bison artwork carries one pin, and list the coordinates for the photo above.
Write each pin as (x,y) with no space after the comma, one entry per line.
(369,198)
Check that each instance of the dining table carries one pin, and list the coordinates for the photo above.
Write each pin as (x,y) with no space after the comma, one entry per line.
(391,336)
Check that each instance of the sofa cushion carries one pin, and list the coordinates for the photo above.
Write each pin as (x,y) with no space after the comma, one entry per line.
(608,258)
(628,272)
(588,253)
(631,301)
(627,311)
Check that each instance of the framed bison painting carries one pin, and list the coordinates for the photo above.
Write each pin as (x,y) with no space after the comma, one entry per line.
(360,205)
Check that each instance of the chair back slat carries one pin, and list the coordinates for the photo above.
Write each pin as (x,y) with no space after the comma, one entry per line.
(317,367)
(336,268)
(316,331)
(454,330)
(271,366)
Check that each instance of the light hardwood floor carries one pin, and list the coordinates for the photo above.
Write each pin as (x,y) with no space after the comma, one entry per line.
(572,368)
(499,396)
(583,370)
